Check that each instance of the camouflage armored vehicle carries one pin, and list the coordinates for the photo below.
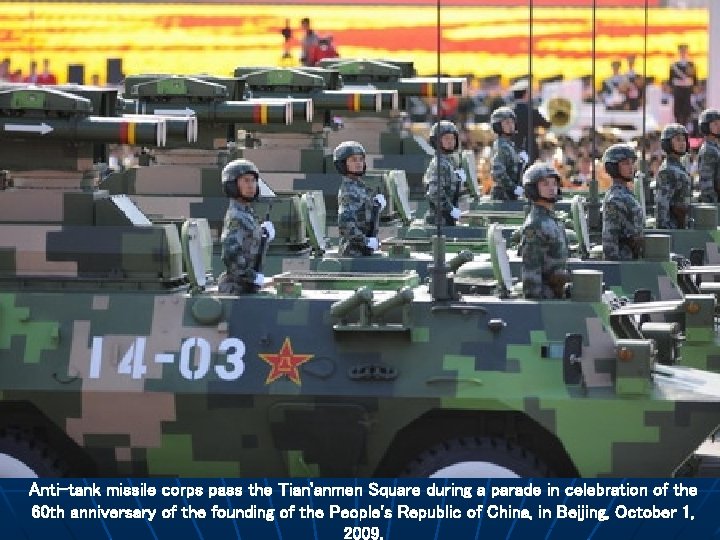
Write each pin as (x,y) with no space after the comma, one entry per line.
(308,378)
(382,132)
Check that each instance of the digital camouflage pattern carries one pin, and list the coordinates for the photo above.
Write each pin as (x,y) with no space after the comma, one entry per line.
(672,194)
(544,253)
(240,241)
(622,224)
(441,175)
(506,166)
(354,217)
(253,386)
(709,170)
(113,364)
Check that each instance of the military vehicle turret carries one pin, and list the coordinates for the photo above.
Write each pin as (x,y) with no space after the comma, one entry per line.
(383,132)
(183,180)
(118,357)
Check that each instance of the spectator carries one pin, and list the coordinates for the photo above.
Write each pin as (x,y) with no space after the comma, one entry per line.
(287,38)
(309,41)
(5,70)
(635,85)
(614,89)
(47,76)
(323,49)
(522,114)
(32,77)
(582,178)
(683,79)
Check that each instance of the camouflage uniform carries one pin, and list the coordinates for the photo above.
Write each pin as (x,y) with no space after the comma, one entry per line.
(354,217)
(709,170)
(622,224)
(544,253)
(240,241)
(505,169)
(444,167)
(673,190)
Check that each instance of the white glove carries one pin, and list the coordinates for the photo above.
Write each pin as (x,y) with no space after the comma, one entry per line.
(380,199)
(269,229)
(523,156)
(461,175)
(455,213)
(372,243)
(519,191)
(259,279)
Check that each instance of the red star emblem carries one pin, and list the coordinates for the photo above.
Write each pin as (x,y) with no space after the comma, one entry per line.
(285,362)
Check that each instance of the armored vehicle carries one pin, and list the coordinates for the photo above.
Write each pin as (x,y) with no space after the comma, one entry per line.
(383,132)
(119,357)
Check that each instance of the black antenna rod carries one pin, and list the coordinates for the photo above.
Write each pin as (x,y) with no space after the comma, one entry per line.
(594,89)
(593,205)
(531,130)
(441,287)
(438,228)
(644,94)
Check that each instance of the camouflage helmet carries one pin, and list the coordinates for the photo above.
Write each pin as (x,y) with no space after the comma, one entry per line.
(230,174)
(500,114)
(343,151)
(614,155)
(533,174)
(707,116)
(668,133)
(441,128)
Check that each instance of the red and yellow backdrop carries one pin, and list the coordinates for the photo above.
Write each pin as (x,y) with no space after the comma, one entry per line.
(476,38)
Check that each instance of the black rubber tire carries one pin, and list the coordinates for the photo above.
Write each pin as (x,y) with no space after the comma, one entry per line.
(493,451)
(33,454)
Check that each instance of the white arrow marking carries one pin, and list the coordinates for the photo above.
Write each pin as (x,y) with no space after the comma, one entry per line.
(43,128)
(187,111)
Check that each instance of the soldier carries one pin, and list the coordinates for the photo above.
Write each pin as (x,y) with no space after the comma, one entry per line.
(444,171)
(242,235)
(543,244)
(358,210)
(709,156)
(507,164)
(672,180)
(683,80)
(622,230)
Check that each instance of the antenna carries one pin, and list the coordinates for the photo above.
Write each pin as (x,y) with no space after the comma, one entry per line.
(593,203)
(441,287)
(530,136)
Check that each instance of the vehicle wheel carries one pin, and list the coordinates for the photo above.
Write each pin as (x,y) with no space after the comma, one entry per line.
(25,457)
(477,457)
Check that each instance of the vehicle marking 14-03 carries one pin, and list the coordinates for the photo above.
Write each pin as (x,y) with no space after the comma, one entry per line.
(194,364)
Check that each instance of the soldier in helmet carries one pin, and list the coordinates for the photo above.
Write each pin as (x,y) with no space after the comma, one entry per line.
(622,229)
(544,244)
(355,202)
(444,174)
(672,180)
(242,234)
(709,156)
(507,164)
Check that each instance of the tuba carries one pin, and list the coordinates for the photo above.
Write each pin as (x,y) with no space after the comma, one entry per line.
(560,105)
